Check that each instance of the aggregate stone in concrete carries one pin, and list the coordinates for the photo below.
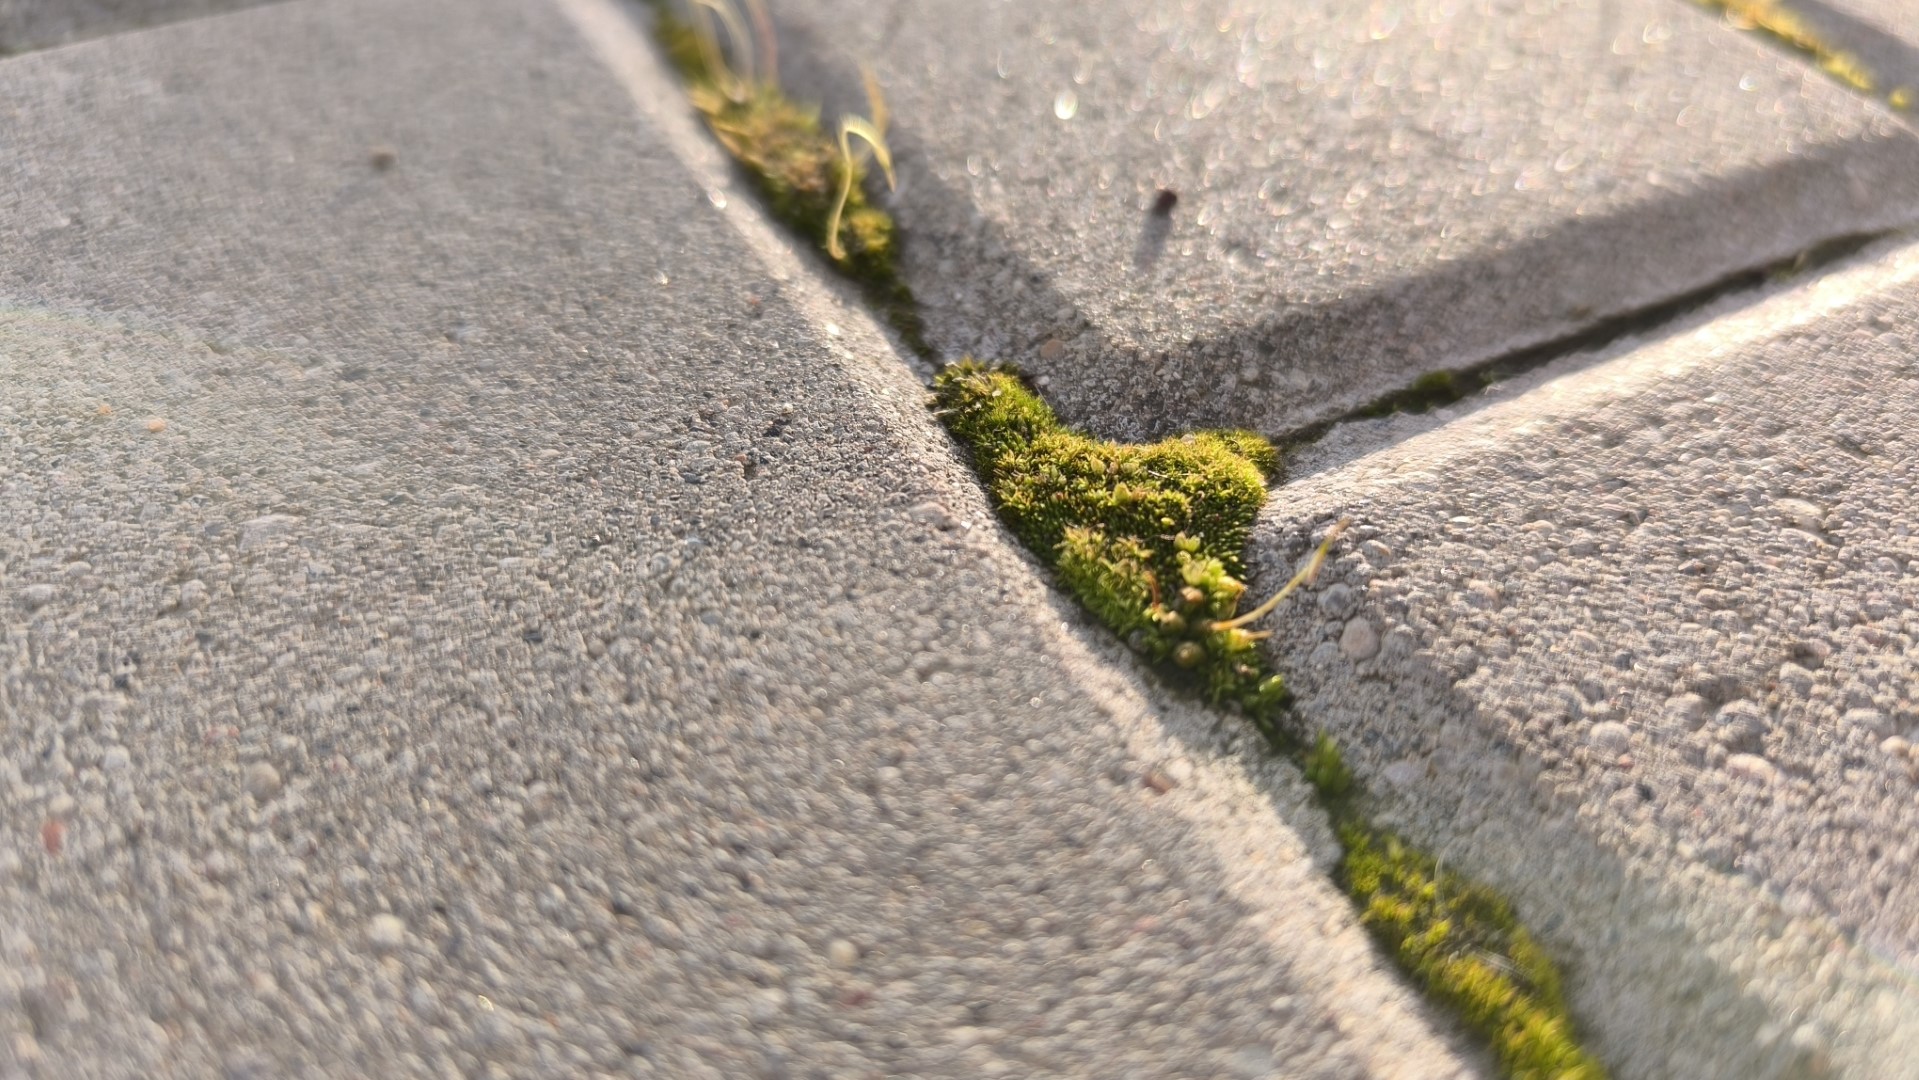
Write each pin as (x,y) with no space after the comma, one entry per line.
(1355,194)
(36,24)
(472,603)
(1646,661)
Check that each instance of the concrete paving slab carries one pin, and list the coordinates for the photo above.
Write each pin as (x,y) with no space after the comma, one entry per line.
(1363,193)
(1637,646)
(475,604)
(26,25)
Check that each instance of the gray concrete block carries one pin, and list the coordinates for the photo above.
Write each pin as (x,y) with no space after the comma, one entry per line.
(26,25)
(1363,193)
(1646,661)
(472,602)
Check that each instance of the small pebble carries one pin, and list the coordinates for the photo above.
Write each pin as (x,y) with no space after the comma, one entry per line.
(1688,709)
(115,758)
(1360,640)
(1610,737)
(1338,600)
(1896,746)
(1742,726)
(934,514)
(1801,514)
(262,781)
(1871,720)
(843,953)
(386,933)
(1795,678)
(1405,773)
(1751,767)
(1482,594)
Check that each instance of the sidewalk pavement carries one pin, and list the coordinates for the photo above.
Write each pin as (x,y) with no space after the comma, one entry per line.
(477,604)
(479,600)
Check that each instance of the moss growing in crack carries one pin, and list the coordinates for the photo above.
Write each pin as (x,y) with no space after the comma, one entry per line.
(1147,537)
(1458,940)
(1430,391)
(1465,947)
(1326,770)
(1789,28)
(801,169)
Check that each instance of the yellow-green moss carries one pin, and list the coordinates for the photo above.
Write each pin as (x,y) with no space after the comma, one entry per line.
(796,162)
(1787,27)
(1148,537)
(1327,772)
(1458,940)
(798,167)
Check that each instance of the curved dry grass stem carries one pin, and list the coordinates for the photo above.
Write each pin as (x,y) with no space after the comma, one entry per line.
(1305,576)
(769,57)
(875,100)
(736,87)
(873,134)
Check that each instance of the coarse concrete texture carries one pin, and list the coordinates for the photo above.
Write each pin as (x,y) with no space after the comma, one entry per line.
(36,24)
(474,603)
(1364,192)
(1636,646)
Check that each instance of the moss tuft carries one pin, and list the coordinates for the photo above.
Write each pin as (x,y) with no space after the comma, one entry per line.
(1789,28)
(1148,537)
(795,160)
(1327,771)
(1430,391)
(1464,946)
(799,168)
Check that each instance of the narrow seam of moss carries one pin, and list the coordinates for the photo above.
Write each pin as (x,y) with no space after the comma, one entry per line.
(1459,941)
(798,169)
(1787,27)
(1149,538)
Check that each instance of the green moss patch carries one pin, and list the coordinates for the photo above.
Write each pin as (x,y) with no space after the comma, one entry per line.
(798,168)
(1789,28)
(1458,940)
(1147,537)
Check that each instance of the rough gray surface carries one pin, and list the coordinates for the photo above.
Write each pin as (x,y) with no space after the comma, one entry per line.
(26,25)
(1642,655)
(480,608)
(1364,193)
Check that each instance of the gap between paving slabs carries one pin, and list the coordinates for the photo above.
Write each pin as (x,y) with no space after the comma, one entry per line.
(1807,28)
(1149,538)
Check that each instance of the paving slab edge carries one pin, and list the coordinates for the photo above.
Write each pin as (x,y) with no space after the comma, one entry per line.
(1701,921)
(1257,814)
(1522,1016)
